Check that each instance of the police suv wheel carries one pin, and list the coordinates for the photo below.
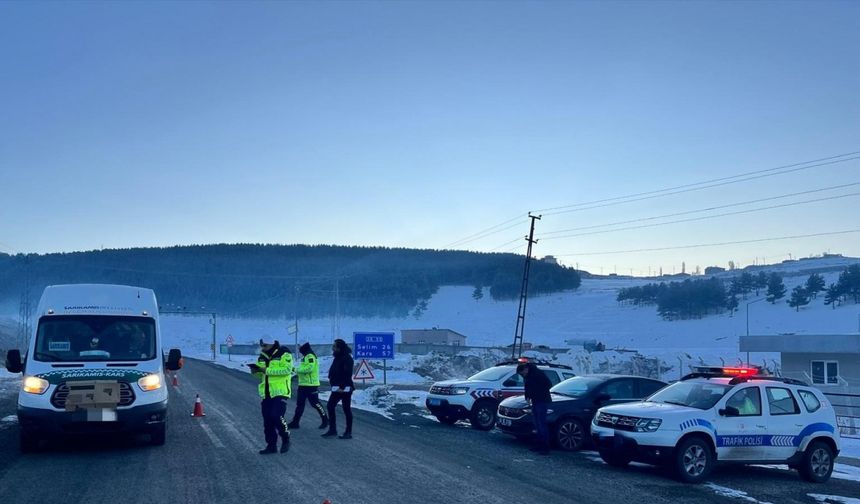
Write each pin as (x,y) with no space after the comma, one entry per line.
(484,416)
(693,460)
(817,464)
(569,434)
(614,458)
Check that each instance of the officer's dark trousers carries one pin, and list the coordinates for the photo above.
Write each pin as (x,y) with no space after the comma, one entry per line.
(539,412)
(273,419)
(336,397)
(310,394)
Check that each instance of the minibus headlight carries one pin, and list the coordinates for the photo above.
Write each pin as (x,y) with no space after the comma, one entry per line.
(35,385)
(150,382)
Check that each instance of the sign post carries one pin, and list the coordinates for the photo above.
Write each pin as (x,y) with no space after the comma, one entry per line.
(374,346)
(230,342)
(364,372)
(294,330)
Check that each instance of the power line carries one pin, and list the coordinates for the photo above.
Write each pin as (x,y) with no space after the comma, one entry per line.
(670,191)
(705,217)
(699,245)
(515,248)
(506,244)
(701,183)
(484,232)
(685,189)
(708,209)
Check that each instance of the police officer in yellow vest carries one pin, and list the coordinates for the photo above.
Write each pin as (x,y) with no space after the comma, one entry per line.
(274,368)
(309,382)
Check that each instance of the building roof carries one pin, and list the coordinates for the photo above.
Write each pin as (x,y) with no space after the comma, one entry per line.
(801,343)
(433,330)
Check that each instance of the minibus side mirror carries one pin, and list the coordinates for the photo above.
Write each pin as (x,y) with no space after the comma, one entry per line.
(174,360)
(13,361)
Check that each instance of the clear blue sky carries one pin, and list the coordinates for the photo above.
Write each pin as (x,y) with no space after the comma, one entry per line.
(416,124)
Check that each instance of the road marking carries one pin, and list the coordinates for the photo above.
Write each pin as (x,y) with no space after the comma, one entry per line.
(240,436)
(212,437)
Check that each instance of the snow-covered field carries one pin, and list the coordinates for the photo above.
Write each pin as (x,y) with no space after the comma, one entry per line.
(591,312)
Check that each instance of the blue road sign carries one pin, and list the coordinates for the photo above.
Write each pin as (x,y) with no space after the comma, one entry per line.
(373,345)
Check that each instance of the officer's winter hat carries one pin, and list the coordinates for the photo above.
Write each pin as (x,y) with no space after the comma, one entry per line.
(269,346)
(305,348)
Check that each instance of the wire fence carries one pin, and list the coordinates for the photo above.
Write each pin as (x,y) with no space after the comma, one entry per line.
(847,408)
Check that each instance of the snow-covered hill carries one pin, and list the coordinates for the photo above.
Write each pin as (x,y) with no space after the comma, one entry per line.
(591,312)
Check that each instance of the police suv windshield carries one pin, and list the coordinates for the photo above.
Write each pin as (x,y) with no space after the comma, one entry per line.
(700,395)
(577,386)
(491,374)
(95,338)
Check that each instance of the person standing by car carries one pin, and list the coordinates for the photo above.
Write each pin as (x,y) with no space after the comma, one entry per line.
(274,368)
(309,383)
(537,393)
(340,379)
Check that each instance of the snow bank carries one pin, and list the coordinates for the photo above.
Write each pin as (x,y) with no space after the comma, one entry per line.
(850,448)
(732,493)
(9,381)
(381,399)
(834,499)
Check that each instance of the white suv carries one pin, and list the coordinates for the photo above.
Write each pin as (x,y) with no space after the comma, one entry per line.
(725,415)
(477,398)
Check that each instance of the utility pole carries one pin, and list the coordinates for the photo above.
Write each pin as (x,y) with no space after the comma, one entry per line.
(214,337)
(517,348)
(296,323)
(213,321)
(25,308)
(748,323)
(335,329)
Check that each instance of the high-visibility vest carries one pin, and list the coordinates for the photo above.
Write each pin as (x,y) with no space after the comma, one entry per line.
(276,373)
(309,371)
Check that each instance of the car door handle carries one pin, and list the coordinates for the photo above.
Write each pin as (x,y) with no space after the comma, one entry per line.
(761,426)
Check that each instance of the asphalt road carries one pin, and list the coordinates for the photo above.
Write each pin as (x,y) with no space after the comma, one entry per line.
(409,460)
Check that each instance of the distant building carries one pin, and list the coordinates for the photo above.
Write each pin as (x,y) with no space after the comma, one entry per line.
(432,337)
(713,270)
(826,361)
(550,260)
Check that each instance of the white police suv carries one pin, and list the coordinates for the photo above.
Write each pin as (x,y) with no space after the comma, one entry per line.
(723,415)
(477,398)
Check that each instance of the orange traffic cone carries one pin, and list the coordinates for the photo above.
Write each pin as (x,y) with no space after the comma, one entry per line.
(198,408)
(175,380)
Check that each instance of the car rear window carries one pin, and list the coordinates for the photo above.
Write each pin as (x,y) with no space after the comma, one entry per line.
(491,374)
(552,375)
(648,387)
(811,402)
(781,401)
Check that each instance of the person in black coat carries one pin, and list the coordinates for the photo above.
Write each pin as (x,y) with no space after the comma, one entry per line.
(537,393)
(340,379)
